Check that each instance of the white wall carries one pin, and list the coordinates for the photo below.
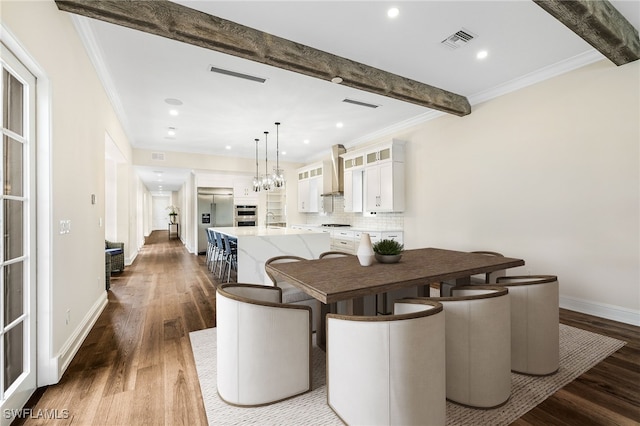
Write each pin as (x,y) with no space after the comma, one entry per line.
(160,212)
(549,174)
(75,135)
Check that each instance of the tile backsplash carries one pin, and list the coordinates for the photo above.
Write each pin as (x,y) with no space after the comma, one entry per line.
(377,222)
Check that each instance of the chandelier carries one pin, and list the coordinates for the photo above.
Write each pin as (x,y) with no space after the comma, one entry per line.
(278,173)
(267,182)
(257,182)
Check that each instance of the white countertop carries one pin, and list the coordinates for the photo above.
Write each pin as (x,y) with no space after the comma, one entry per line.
(260,231)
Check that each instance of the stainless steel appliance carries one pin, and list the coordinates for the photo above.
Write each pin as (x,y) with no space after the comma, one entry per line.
(246,215)
(215,209)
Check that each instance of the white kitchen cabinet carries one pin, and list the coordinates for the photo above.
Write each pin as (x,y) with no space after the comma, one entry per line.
(243,193)
(353,166)
(384,178)
(312,180)
(353,190)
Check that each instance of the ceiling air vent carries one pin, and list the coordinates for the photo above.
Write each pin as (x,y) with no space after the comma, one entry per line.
(459,39)
(159,156)
(364,104)
(236,74)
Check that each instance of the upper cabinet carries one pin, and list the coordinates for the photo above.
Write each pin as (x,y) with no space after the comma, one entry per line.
(243,191)
(312,180)
(384,177)
(374,178)
(353,168)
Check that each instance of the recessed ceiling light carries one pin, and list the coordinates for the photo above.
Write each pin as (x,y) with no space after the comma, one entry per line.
(339,125)
(171,131)
(393,12)
(284,152)
(173,112)
(227,147)
(336,80)
(482,54)
(306,141)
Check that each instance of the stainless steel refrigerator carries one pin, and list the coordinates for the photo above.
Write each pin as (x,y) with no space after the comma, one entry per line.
(215,209)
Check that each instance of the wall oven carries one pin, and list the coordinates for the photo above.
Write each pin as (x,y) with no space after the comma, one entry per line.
(246,215)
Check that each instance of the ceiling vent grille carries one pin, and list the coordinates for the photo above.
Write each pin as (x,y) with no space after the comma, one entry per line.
(236,74)
(458,39)
(364,104)
(158,156)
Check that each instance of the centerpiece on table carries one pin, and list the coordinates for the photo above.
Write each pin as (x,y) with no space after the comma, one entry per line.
(388,251)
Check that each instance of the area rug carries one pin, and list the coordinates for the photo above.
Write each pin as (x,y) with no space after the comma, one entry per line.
(579,351)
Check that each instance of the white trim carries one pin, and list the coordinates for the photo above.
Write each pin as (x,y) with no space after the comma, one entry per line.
(94,52)
(602,310)
(537,76)
(46,366)
(72,345)
(542,74)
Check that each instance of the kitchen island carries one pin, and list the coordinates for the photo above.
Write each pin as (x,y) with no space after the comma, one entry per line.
(257,244)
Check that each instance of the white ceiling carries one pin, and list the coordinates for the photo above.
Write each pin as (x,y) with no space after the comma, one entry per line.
(222,115)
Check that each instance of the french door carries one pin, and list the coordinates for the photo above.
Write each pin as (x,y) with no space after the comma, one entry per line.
(17,245)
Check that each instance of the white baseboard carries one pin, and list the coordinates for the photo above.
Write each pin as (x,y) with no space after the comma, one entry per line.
(69,350)
(131,258)
(612,312)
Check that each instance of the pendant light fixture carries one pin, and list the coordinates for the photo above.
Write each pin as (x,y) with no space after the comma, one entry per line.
(257,183)
(267,182)
(278,173)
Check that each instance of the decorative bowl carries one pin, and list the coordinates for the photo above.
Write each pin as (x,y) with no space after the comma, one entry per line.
(388,258)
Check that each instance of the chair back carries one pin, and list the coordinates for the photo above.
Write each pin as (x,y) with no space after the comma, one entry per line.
(263,346)
(478,344)
(331,254)
(219,243)
(279,259)
(394,371)
(535,320)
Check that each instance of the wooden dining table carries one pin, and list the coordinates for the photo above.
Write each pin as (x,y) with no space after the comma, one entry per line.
(336,279)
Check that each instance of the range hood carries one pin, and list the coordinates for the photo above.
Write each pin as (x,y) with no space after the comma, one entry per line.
(337,174)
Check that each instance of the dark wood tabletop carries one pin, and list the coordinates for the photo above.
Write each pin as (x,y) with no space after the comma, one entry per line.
(332,280)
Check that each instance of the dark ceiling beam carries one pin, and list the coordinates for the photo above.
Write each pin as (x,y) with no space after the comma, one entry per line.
(600,24)
(177,22)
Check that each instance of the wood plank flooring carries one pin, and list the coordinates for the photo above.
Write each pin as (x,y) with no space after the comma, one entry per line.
(136,366)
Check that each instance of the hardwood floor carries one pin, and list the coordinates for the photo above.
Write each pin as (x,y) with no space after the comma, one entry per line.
(136,366)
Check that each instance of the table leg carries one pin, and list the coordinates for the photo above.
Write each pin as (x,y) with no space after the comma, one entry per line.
(445,288)
(355,306)
(321,329)
(424,290)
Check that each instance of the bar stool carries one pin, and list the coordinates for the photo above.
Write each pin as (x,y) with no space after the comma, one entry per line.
(230,256)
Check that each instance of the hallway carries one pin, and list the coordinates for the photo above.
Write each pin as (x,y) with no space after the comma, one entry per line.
(136,366)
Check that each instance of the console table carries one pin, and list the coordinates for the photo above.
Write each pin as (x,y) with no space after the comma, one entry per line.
(177,229)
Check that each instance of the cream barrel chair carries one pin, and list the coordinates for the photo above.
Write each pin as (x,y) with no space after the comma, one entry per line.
(264,346)
(535,323)
(388,370)
(478,341)
(292,294)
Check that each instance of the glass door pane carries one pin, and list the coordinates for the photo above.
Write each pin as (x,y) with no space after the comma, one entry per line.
(17,272)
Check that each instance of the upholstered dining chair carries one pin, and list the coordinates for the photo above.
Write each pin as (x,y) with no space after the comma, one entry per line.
(263,345)
(478,345)
(388,370)
(535,323)
(291,293)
